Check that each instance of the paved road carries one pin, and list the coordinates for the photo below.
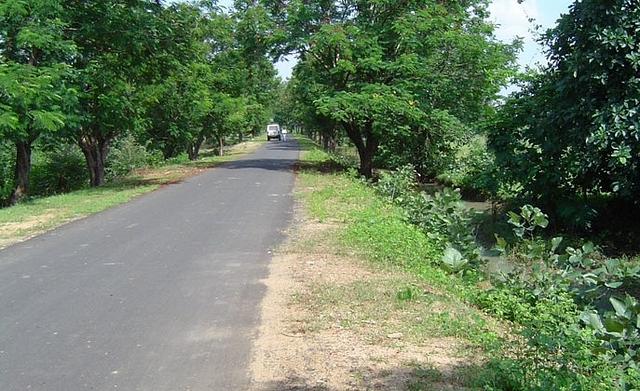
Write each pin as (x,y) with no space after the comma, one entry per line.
(161,293)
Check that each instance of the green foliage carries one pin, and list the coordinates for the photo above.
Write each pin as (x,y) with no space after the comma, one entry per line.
(572,341)
(89,72)
(472,170)
(35,95)
(453,261)
(373,227)
(127,155)
(58,170)
(401,80)
(545,301)
(572,130)
(398,184)
(618,333)
(6,170)
(525,223)
(442,217)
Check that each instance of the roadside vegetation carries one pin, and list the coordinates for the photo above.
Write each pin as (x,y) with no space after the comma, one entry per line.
(87,88)
(562,317)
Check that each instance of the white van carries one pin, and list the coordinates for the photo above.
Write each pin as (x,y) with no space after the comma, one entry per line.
(273,131)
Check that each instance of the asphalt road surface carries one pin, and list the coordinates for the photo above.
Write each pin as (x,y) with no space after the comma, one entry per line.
(161,293)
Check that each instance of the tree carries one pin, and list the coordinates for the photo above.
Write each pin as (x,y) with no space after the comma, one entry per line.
(176,108)
(402,76)
(258,84)
(34,91)
(118,45)
(574,127)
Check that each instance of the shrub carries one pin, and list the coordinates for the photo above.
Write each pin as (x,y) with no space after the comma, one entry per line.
(571,340)
(472,170)
(127,155)
(59,169)
(6,170)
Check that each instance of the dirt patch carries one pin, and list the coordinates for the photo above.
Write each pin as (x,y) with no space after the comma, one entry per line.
(13,232)
(316,335)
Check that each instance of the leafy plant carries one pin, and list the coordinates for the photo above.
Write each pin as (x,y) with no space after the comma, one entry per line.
(571,130)
(442,217)
(59,169)
(452,261)
(128,155)
(619,333)
(555,297)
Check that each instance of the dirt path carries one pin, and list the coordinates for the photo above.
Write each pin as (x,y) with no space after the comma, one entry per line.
(318,334)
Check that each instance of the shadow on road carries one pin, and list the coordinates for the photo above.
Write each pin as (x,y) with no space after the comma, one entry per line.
(274,163)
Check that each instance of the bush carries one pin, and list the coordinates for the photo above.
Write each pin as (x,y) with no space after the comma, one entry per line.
(568,340)
(127,155)
(472,170)
(571,340)
(443,217)
(58,170)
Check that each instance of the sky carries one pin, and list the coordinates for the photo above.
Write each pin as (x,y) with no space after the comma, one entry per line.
(513,20)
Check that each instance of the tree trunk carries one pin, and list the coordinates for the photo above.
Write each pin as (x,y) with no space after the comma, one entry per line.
(21,171)
(366,143)
(95,153)
(220,145)
(327,133)
(193,149)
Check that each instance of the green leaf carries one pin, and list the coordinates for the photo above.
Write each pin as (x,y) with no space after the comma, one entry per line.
(501,244)
(613,326)
(588,248)
(555,242)
(612,265)
(619,306)
(453,261)
(592,319)
(514,218)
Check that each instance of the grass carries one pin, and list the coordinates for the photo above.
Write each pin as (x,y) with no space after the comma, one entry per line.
(408,293)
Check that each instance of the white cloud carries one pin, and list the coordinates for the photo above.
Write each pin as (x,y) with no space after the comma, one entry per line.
(515,20)
(520,20)
(512,18)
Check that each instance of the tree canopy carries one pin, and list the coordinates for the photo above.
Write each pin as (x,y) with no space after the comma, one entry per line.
(404,82)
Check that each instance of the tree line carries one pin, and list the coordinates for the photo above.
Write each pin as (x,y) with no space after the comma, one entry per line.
(402,82)
(88,73)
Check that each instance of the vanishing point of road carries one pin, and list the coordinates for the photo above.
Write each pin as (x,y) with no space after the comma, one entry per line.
(160,293)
